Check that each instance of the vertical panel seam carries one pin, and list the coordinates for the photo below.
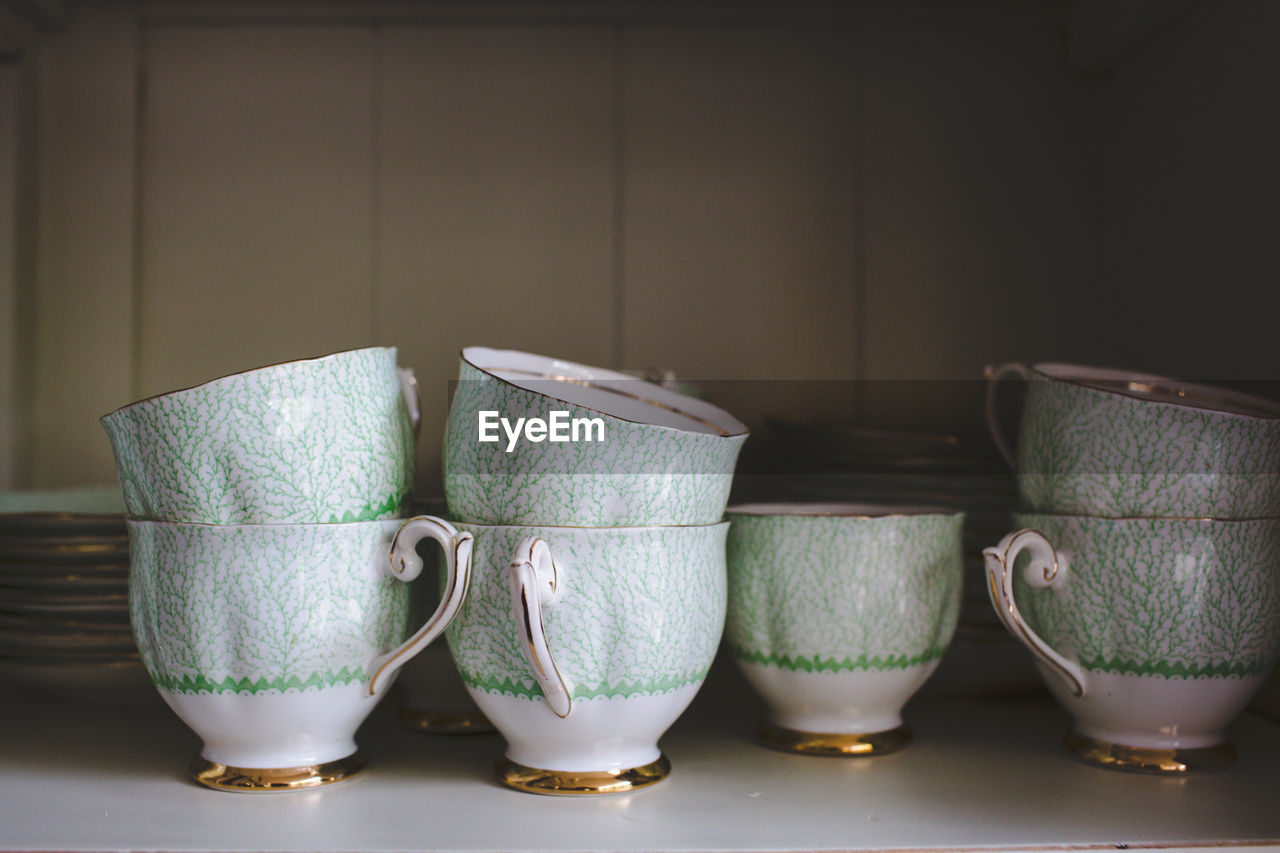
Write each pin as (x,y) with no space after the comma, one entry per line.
(619,195)
(137,283)
(377,44)
(858,241)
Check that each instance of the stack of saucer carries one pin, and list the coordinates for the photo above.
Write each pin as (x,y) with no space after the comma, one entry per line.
(64,610)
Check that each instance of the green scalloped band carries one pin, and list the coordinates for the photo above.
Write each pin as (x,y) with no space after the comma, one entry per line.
(388,509)
(231,684)
(1178,669)
(623,689)
(800,663)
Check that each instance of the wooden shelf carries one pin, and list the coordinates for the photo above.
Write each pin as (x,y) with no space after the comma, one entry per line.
(979,774)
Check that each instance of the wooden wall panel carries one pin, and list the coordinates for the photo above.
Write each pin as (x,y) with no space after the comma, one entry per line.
(496,200)
(257,199)
(1191,179)
(81,322)
(739,195)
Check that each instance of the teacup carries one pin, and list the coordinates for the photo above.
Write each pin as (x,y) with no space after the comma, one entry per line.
(1097,441)
(319,440)
(1153,633)
(582,646)
(838,614)
(274,642)
(608,449)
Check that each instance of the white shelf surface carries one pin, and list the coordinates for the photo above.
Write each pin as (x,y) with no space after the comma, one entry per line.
(980,774)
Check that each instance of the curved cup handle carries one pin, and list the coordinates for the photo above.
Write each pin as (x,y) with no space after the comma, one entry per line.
(993,376)
(405,564)
(412,397)
(1044,570)
(535,584)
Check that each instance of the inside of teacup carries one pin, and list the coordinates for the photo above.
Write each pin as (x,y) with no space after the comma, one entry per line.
(606,391)
(1161,389)
(836,510)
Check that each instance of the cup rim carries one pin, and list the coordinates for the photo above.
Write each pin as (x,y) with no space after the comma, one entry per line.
(642,528)
(1020,513)
(130,521)
(1161,390)
(800,509)
(239,373)
(729,426)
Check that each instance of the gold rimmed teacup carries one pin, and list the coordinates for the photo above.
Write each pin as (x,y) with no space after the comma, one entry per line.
(1151,761)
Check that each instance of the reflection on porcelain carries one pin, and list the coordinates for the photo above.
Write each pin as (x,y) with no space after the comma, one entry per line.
(314,441)
(1096,441)
(838,613)
(1154,634)
(274,642)
(582,646)
(659,457)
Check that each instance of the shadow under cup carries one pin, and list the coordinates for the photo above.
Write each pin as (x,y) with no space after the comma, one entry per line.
(838,614)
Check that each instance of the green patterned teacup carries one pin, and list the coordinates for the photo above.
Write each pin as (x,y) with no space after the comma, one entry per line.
(838,613)
(1153,633)
(1096,441)
(313,441)
(582,646)
(273,642)
(633,453)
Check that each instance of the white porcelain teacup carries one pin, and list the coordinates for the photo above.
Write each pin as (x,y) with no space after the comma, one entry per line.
(1098,441)
(312,441)
(537,440)
(838,614)
(582,646)
(274,642)
(1153,633)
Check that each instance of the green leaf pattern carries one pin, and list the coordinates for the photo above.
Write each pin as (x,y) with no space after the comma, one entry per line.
(639,475)
(820,593)
(314,441)
(1172,598)
(263,608)
(1093,452)
(641,610)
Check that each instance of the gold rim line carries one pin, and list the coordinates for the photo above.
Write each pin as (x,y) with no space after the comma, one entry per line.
(567,783)
(445,722)
(265,780)
(1149,760)
(866,744)
(717,430)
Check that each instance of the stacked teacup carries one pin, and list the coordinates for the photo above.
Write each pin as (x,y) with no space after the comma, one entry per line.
(1150,590)
(266,559)
(597,595)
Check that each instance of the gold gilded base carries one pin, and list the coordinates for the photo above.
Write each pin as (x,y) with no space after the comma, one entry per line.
(254,781)
(563,783)
(1158,762)
(838,745)
(443,723)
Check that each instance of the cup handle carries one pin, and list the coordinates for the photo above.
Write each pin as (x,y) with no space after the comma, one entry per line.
(993,376)
(405,564)
(534,580)
(1046,569)
(412,397)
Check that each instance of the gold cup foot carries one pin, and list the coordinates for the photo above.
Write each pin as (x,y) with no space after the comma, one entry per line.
(1156,762)
(565,783)
(253,781)
(838,745)
(444,723)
